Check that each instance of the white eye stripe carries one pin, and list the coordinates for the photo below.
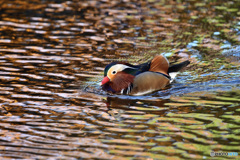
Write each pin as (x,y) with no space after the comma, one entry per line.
(115,69)
(120,67)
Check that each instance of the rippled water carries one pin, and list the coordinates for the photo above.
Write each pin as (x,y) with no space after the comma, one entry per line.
(52,56)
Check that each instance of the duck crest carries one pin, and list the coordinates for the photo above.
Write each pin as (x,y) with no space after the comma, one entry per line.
(120,66)
(108,67)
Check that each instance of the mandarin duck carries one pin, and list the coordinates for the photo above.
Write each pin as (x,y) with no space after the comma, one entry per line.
(124,78)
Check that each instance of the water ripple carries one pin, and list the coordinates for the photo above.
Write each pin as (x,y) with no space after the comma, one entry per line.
(52,57)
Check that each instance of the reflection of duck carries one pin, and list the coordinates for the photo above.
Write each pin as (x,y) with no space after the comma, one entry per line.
(124,78)
(117,106)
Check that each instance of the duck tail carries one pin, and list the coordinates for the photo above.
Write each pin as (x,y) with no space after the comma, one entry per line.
(178,67)
(174,69)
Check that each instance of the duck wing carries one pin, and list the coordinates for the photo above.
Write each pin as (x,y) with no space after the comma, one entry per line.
(159,64)
(148,82)
(142,68)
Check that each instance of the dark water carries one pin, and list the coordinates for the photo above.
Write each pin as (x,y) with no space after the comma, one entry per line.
(52,56)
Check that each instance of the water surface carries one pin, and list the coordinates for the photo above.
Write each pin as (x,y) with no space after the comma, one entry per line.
(52,57)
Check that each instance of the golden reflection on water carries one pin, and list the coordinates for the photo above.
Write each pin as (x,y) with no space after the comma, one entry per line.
(52,55)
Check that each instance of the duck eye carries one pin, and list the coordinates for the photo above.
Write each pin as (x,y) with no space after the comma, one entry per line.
(114,72)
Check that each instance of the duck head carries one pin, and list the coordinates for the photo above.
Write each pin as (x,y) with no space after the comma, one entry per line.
(118,77)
